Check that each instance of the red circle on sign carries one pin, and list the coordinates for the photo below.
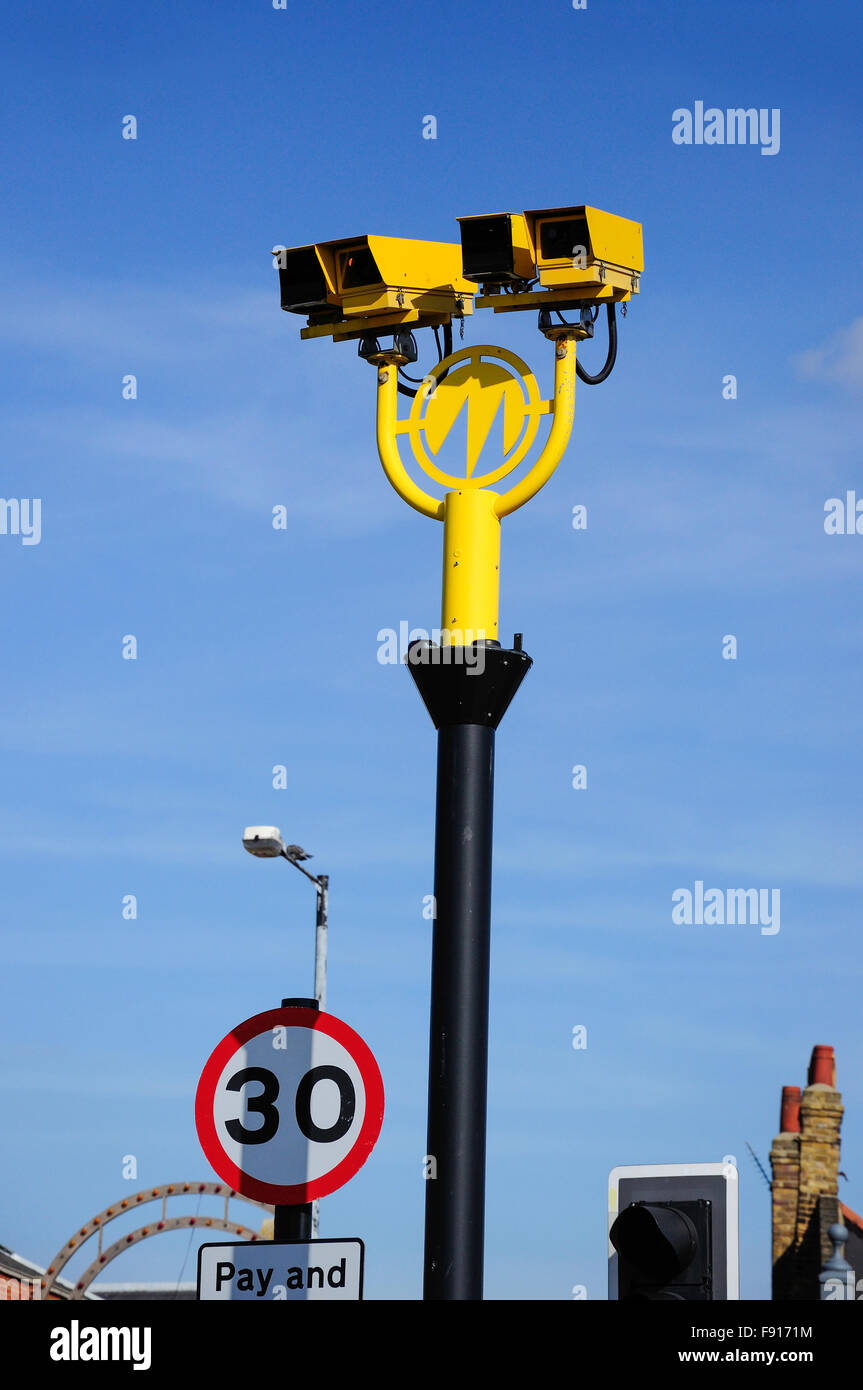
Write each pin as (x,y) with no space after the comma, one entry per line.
(296,1193)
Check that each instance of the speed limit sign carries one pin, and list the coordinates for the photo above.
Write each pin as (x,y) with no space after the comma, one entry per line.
(289,1106)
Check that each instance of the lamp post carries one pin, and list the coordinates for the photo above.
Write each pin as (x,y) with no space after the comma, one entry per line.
(265,842)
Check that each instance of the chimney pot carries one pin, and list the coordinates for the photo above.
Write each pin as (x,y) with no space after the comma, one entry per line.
(789,1115)
(822,1068)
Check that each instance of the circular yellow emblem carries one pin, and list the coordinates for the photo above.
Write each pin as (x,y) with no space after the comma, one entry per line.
(485,382)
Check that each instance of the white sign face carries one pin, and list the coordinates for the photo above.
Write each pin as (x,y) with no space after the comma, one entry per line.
(273,1271)
(310,1084)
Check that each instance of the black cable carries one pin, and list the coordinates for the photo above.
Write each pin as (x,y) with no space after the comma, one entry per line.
(447,344)
(612,352)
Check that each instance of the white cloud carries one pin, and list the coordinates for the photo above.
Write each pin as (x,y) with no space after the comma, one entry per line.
(840,359)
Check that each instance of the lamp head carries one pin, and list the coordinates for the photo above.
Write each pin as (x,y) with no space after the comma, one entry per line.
(264,841)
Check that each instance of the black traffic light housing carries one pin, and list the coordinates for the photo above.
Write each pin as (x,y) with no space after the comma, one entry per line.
(665,1251)
(673,1233)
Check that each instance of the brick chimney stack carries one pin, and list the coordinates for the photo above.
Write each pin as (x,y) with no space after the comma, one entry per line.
(820,1122)
(805,1163)
(785,1164)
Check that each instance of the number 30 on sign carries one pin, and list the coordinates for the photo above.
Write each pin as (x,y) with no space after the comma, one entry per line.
(289,1106)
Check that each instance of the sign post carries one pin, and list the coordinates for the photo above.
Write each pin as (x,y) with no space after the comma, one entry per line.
(289,1107)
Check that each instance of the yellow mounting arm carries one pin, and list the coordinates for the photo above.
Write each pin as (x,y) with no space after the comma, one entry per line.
(389,450)
(563,412)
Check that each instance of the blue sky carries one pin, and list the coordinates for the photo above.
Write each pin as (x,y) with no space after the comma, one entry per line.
(259,647)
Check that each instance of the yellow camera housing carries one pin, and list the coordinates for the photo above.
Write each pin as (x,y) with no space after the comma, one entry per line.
(577,253)
(349,287)
(586,249)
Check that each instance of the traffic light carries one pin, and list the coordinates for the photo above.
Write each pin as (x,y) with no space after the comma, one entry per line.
(673,1233)
(576,254)
(349,287)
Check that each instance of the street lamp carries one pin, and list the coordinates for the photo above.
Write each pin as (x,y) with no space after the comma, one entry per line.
(265,842)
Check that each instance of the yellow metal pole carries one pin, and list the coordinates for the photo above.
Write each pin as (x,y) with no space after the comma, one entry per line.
(471,567)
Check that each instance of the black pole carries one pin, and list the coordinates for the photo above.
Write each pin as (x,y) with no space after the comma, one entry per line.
(458,1044)
(466,704)
(294,1222)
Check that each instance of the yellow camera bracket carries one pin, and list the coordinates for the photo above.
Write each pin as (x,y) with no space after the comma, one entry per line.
(482,379)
